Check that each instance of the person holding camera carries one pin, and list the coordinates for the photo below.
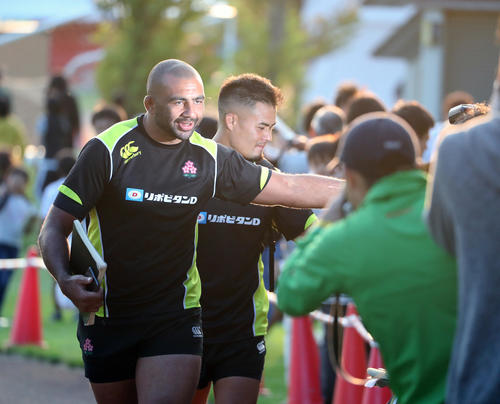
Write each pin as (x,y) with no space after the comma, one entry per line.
(381,255)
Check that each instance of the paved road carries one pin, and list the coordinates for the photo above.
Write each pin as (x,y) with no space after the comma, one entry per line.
(25,380)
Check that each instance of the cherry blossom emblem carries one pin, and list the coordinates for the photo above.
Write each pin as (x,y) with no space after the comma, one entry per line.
(87,346)
(189,169)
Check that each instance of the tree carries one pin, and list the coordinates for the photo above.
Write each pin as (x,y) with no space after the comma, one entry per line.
(140,33)
(271,41)
(281,46)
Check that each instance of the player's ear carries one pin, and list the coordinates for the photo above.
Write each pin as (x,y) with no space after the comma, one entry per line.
(230,119)
(148,103)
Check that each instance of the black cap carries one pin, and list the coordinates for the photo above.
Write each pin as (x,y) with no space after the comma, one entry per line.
(379,144)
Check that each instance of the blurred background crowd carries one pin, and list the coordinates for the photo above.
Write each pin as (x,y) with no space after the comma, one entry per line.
(68,73)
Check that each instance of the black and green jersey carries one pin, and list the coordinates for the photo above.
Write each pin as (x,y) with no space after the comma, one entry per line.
(143,199)
(231,240)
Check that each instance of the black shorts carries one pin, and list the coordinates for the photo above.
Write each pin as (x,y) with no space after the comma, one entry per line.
(243,358)
(110,349)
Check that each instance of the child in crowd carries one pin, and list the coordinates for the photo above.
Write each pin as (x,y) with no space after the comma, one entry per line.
(17,214)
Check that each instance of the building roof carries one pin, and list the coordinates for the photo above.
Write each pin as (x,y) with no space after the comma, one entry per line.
(48,14)
(479,5)
(403,41)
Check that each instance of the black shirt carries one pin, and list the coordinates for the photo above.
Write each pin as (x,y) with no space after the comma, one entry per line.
(143,198)
(231,240)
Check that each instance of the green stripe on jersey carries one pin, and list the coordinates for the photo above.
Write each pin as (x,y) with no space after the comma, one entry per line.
(111,135)
(264,177)
(208,144)
(94,233)
(310,220)
(193,284)
(260,304)
(63,189)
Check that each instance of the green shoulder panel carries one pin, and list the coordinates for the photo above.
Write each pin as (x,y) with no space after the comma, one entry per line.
(310,220)
(63,189)
(265,175)
(208,144)
(111,135)
(192,284)
(94,234)
(260,304)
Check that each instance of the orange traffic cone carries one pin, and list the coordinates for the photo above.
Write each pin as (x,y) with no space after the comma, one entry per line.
(27,325)
(353,362)
(304,364)
(376,395)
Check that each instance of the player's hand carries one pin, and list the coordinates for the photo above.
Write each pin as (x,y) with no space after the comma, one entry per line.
(75,287)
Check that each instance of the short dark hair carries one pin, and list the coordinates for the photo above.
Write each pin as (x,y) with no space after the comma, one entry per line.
(328,120)
(322,148)
(247,89)
(363,103)
(416,115)
(106,113)
(58,82)
(345,91)
(308,112)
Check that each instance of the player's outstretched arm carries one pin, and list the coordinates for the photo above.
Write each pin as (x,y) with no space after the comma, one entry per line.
(54,249)
(299,190)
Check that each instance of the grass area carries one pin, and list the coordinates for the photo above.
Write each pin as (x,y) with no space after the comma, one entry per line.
(60,337)
(62,345)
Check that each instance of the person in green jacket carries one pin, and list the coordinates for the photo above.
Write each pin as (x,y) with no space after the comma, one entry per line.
(381,254)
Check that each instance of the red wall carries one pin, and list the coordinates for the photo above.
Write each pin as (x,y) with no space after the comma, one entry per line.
(68,41)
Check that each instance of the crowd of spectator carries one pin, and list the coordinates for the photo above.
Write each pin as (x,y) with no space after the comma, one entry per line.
(377,242)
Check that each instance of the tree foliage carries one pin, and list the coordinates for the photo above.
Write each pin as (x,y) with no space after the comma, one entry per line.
(140,33)
(281,46)
(271,41)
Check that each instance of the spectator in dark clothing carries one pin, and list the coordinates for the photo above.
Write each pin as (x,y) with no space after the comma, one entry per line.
(58,91)
(58,129)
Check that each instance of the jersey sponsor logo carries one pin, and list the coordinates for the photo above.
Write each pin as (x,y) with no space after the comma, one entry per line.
(202,217)
(134,194)
(189,170)
(167,198)
(261,347)
(197,333)
(128,152)
(244,220)
(139,195)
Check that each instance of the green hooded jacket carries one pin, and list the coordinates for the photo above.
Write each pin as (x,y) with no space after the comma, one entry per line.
(403,284)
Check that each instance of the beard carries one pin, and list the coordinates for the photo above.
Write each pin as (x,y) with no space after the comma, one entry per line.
(171,127)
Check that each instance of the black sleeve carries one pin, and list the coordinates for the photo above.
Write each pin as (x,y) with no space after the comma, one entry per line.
(85,183)
(292,222)
(238,180)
